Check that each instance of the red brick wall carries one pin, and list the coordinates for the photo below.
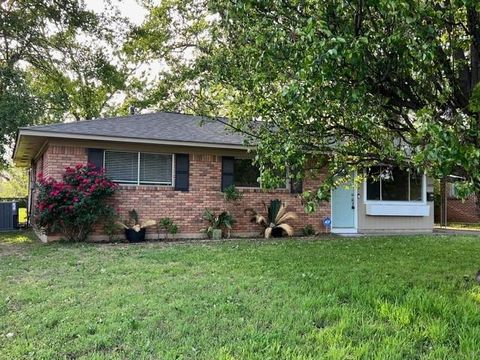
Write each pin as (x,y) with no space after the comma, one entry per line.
(462,211)
(186,208)
(57,158)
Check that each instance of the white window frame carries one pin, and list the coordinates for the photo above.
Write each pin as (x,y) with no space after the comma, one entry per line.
(138,183)
(397,202)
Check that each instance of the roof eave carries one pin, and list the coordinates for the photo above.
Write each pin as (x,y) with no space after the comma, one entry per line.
(15,147)
(52,134)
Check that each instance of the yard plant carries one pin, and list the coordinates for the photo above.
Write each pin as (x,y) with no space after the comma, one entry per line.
(134,228)
(74,205)
(398,297)
(232,194)
(275,221)
(217,223)
(134,223)
(168,226)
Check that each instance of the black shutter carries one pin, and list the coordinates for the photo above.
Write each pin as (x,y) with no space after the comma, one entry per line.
(296,186)
(95,157)
(182,167)
(227,171)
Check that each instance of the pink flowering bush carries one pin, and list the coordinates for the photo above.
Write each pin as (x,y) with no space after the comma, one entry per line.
(74,205)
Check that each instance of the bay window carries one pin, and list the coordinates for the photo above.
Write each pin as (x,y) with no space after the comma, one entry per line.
(394,184)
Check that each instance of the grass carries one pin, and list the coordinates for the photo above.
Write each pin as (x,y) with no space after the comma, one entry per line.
(382,297)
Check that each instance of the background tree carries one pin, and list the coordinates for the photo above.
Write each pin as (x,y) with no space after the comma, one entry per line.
(58,61)
(355,82)
(13,183)
(27,34)
(171,40)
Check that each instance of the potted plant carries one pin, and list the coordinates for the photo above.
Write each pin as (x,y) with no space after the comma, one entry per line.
(134,230)
(217,223)
(275,222)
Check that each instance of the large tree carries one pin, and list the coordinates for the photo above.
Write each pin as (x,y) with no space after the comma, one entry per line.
(58,60)
(28,31)
(355,82)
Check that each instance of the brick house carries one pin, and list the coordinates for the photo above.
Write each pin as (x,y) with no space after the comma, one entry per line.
(175,165)
(460,210)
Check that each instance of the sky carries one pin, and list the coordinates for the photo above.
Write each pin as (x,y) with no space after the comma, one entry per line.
(129,8)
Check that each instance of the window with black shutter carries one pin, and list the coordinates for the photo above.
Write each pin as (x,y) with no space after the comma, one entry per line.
(227,171)
(246,173)
(139,168)
(95,157)
(182,168)
(242,172)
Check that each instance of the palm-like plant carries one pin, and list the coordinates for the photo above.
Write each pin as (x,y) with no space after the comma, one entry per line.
(134,222)
(276,220)
(223,221)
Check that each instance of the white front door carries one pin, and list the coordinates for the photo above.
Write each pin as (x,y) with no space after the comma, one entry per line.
(343,208)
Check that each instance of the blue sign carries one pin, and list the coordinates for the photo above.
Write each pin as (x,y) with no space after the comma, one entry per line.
(327,222)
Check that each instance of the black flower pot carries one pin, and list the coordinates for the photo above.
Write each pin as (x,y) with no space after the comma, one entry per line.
(135,236)
(277,232)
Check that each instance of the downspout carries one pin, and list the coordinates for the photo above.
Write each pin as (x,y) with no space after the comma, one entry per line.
(443,202)
(29,200)
(446,207)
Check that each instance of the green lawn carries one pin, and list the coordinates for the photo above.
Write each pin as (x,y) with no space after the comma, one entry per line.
(380,297)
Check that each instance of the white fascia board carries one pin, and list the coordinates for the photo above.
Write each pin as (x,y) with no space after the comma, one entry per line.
(131,140)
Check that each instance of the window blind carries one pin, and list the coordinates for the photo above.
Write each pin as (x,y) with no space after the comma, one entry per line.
(122,166)
(155,169)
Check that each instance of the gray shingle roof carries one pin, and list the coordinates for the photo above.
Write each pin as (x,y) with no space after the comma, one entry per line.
(164,126)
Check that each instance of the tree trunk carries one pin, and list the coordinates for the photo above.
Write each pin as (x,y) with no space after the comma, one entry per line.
(474,30)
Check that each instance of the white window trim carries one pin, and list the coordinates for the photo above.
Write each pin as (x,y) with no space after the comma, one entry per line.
(397,202)
(138,183)
(411,209)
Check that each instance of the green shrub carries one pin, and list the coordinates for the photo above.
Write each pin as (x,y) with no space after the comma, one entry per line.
(308,230)
(168,226)
(231,194)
